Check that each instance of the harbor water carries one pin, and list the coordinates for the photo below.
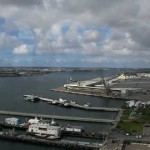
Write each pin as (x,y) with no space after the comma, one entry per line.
(13,89)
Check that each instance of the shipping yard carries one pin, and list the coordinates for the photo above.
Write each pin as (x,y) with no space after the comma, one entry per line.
(124,86)
(131,87)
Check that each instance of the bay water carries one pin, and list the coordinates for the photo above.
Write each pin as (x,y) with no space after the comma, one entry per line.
(12,90)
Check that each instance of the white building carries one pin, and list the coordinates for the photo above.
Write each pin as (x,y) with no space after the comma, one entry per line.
(13,121)
(131,103)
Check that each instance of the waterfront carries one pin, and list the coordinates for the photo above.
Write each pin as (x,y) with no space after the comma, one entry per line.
(13,88)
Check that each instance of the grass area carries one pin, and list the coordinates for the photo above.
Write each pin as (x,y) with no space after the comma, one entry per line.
(142,116)
(145,117)
(124,117)
(126,113)
(131,127)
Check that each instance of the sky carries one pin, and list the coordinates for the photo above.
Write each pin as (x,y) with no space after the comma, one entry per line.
(75,33)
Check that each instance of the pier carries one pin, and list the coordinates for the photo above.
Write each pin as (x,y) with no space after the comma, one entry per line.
(60,143)
(68,104)
(21,114)
(64,133)
(88,93)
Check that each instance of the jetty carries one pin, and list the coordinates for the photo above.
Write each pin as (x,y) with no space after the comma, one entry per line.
(79,106)
(89,93)
(22,114)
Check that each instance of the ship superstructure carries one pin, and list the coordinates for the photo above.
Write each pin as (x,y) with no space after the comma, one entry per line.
(45,128)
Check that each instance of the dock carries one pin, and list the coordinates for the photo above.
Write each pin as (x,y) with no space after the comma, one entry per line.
(50,101)
(21,114)
(88,93)
(94,108)
(59,143)
(83,134)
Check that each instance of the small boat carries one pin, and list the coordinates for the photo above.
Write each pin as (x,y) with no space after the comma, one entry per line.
(66,105)
(71,102)
(87,105)
(31,98)
(54,102)
(62,100)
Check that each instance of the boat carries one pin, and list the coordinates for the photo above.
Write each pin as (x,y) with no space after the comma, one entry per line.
(71,102)
(44,128)
(31,98)
(62,100)
(66,105)
(54,102)
(87,105)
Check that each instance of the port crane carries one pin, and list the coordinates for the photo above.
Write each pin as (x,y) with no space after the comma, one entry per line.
(105,84)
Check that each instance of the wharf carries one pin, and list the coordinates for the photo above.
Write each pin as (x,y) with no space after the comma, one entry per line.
(87,93)
(96,120)
(86,134)
(50,101)
(94,108)
(83,134)
(60,143)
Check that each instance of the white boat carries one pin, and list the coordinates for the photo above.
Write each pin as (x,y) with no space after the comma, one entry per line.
(62,100)
(54,102)
(44,128)
(71,102)
(66,104)
(31,98)
(87,104)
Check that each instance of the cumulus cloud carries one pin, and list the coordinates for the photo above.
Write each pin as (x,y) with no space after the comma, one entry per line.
(95,30)
(20,50)
(68,36)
